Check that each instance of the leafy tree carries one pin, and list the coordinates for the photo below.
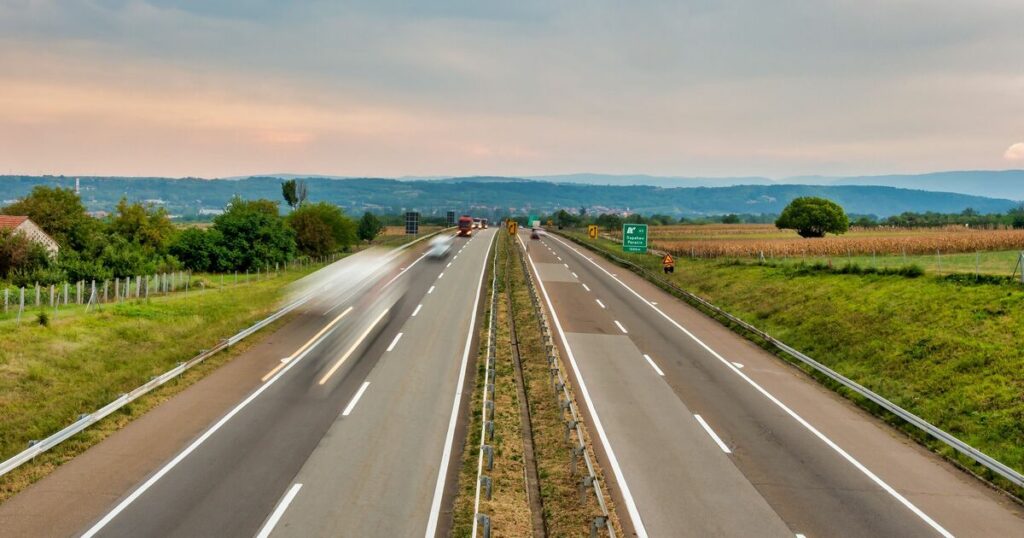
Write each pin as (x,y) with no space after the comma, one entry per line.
(564,219)
(731,218)
(254,234)
(19,253)
(201,250)
(321,228)
(60,213)
(369,227)
(608,221)
(146,226)
(294,192)
(813,217)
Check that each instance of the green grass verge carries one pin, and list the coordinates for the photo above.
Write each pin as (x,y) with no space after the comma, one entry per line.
(49,375)
(946,348)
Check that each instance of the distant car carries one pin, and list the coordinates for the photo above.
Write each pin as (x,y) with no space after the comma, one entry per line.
(440,246)
(535,234)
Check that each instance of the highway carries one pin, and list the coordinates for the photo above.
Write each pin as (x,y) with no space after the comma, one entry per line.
(336,424)
(701,433)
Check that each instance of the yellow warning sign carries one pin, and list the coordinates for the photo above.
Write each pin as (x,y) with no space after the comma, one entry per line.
(592,231)
(513,227)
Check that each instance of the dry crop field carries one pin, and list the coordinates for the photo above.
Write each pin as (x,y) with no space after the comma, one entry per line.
(743,240)
(953,249)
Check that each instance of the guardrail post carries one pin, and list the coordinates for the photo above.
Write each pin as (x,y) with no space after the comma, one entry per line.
(599,522)
(489,456)
(489,429)
(569,425)
(577,454)
(585,483)
(485,484)
(485,525)
(489,410)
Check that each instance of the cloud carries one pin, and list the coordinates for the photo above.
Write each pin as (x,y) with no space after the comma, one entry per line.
(1015,152)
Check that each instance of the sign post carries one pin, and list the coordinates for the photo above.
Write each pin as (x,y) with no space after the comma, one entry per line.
(412,223)
(592,231)
(668,264)
(634,238)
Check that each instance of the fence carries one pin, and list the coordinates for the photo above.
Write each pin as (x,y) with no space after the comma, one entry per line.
(967,450)
(94,294)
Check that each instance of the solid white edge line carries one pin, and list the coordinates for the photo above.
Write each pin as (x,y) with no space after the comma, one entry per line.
(631,509)
(825,439)
(394,342)
(417,311)
(279,511)
(435,505)
(599,303)
(655,366)
(188,450)
(718,440)
(355,399)
(621,328)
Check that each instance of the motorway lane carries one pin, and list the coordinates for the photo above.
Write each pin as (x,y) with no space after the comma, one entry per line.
(376,471)
(228,483)
(642,370)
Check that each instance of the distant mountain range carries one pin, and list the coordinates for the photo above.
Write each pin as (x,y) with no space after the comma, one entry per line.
(994,184)
(495,196)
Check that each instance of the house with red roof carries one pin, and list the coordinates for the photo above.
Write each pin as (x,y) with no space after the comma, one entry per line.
(22,224)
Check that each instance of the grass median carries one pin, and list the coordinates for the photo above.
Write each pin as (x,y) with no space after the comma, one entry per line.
(946,348)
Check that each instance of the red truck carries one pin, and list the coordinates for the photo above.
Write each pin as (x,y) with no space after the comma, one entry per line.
(465,226)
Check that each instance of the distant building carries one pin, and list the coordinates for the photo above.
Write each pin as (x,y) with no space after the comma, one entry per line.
(213,212)
(98,214)
(22,224)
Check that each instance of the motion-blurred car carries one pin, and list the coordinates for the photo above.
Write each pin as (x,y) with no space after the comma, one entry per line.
(440,246)
(535,234)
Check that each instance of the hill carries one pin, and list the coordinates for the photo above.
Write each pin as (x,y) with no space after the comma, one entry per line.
(498,196)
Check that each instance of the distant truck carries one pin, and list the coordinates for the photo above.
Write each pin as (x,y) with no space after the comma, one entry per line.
(465,226)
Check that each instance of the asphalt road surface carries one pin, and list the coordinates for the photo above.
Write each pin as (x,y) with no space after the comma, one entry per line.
(704,434)
(352,436)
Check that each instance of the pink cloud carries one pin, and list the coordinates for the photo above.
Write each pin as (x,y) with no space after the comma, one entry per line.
(1015,152)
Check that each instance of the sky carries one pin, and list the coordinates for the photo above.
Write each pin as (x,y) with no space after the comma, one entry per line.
(389,88)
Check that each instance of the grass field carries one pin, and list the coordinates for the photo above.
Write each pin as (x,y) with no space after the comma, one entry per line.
(943,347)
(947,250)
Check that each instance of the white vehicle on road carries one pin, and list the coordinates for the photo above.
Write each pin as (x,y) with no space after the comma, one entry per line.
(440,246)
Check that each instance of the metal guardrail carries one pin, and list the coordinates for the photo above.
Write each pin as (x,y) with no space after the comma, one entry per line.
(561,384)
(949,439)
(84,421)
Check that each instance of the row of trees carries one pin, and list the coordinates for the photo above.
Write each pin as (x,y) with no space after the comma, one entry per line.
(141,239)
(1013,218)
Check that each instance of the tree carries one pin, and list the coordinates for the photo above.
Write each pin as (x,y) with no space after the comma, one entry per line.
(369,227)
(813,217)
(731,218)
(60,213)
(254,234)
(321,228)
(201,250)
(19,253)
(294,192)
(147,226)
(609,221)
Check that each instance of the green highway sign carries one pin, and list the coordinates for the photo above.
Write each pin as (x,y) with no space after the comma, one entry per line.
(634,238)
